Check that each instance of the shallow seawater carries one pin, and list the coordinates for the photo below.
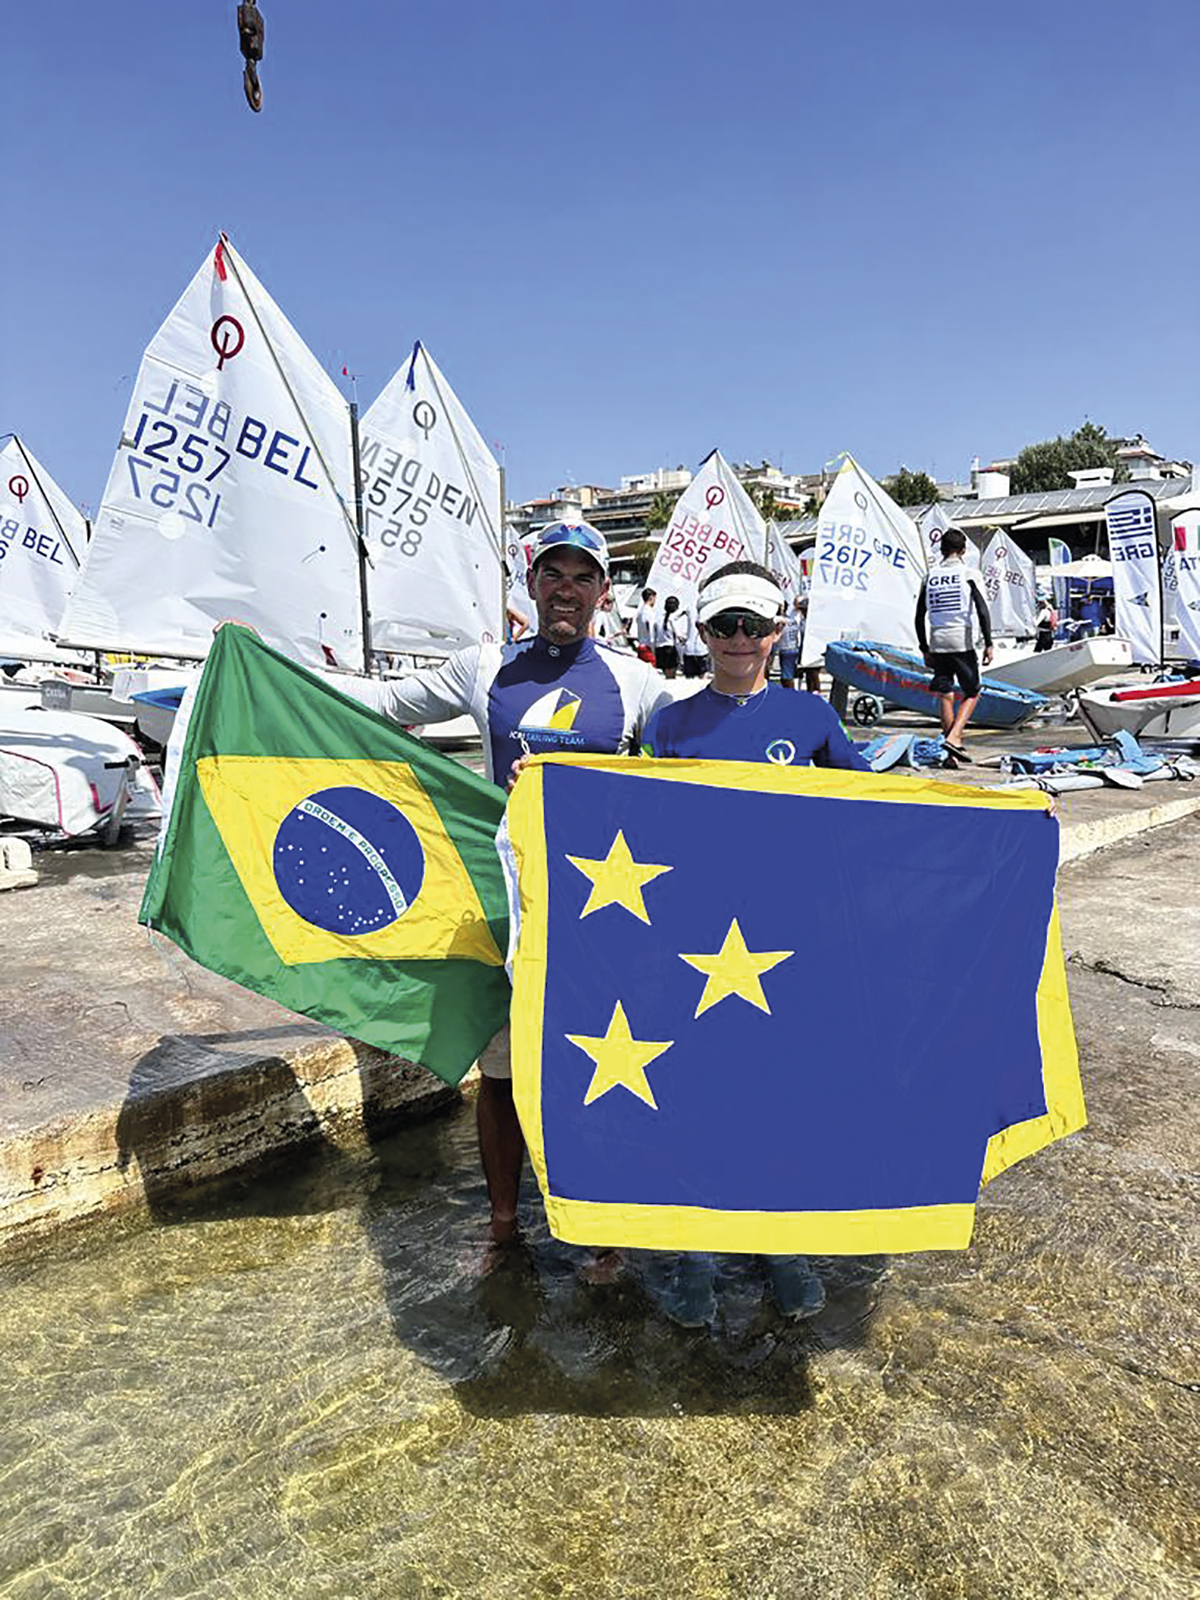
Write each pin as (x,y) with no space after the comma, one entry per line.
(300,1385)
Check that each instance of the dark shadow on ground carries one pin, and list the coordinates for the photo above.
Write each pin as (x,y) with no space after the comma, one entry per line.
(530,1334)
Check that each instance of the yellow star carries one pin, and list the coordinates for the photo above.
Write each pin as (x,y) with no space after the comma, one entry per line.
(735,970)
(617,880)
(620,1059)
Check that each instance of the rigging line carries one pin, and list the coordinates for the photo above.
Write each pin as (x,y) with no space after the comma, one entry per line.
(496,541)
(356,537)
(32,470)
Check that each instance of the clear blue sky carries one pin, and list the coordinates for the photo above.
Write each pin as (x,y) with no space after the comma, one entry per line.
(628,231)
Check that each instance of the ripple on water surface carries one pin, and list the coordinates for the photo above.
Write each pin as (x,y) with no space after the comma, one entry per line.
(298,1385)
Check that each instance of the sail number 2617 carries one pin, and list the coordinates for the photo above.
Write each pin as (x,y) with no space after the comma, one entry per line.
(846,553)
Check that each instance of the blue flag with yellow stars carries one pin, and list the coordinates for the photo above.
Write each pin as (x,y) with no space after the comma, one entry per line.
(778,1009)
(318,854)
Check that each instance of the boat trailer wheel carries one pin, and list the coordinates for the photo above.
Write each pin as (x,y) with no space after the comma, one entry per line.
(866,709)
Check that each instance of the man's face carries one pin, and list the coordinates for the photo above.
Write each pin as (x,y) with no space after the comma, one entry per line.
(567,587)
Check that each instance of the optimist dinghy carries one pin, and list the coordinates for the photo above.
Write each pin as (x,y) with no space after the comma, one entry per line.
(901,678)
(1064,667)
(71,774)
(1160,710)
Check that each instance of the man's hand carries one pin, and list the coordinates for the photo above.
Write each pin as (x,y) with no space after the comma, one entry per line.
(927,657)
(518,767)
(987,655)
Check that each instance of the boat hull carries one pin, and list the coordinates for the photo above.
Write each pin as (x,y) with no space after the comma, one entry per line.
(1165,715)
(1065,667)
(902,679)
(70,774)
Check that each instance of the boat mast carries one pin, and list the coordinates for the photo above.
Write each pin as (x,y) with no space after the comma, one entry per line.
(363,596)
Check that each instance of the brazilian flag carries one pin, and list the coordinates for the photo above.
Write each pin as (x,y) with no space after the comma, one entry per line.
(317,854)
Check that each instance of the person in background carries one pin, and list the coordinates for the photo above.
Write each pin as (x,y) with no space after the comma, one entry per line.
(693,650)
(742,717)
(952,597)
(1044,624)
(643,627)
(666,638)
(790,639)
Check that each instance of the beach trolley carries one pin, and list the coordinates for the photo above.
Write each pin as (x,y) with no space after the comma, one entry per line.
(886,675)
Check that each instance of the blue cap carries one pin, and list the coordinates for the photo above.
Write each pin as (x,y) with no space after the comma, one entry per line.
(572,536)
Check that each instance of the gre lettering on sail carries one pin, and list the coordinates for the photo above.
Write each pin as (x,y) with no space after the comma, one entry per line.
(231,494)
(867,569)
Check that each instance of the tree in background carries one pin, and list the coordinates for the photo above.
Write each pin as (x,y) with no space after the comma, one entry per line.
(911,488)
(1049,465)
(659,514)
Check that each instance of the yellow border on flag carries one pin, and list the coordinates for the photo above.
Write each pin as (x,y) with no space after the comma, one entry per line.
(881,1231)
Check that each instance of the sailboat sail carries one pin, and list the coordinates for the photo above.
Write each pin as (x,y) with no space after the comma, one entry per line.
(516,559)
(231,491)
(869,564)
(1010,584)
(714,522)
(41,535)
(431,504)
(784,563)
(933,525)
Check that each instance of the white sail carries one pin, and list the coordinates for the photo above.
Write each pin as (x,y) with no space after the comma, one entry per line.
(1137,577)
(41,536)
(231,492)
(867,570)
(714,522)
(1185,548)
(933,525)
(516,559)
(784,563)
(1010,584)
(431,506)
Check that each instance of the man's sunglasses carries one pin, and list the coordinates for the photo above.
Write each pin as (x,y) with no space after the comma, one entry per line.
(726,623)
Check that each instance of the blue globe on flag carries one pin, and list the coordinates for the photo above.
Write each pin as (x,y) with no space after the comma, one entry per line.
(348,861)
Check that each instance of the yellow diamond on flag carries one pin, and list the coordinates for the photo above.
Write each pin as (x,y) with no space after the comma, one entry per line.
(345,858)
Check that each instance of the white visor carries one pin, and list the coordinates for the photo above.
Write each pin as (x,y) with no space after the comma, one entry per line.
(741,591)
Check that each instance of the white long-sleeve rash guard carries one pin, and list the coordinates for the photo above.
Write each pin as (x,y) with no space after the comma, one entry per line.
(529,698)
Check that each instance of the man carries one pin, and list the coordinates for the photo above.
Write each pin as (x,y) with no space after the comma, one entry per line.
(558,690)
(643,627)
(742,717)
(952,598)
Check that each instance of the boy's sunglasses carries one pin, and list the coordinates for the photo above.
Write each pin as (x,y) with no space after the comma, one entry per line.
(726,623)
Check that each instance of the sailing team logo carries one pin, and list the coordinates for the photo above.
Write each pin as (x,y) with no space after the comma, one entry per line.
(553,713)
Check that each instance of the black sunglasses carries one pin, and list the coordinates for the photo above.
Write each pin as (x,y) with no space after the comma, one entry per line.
(726,623)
